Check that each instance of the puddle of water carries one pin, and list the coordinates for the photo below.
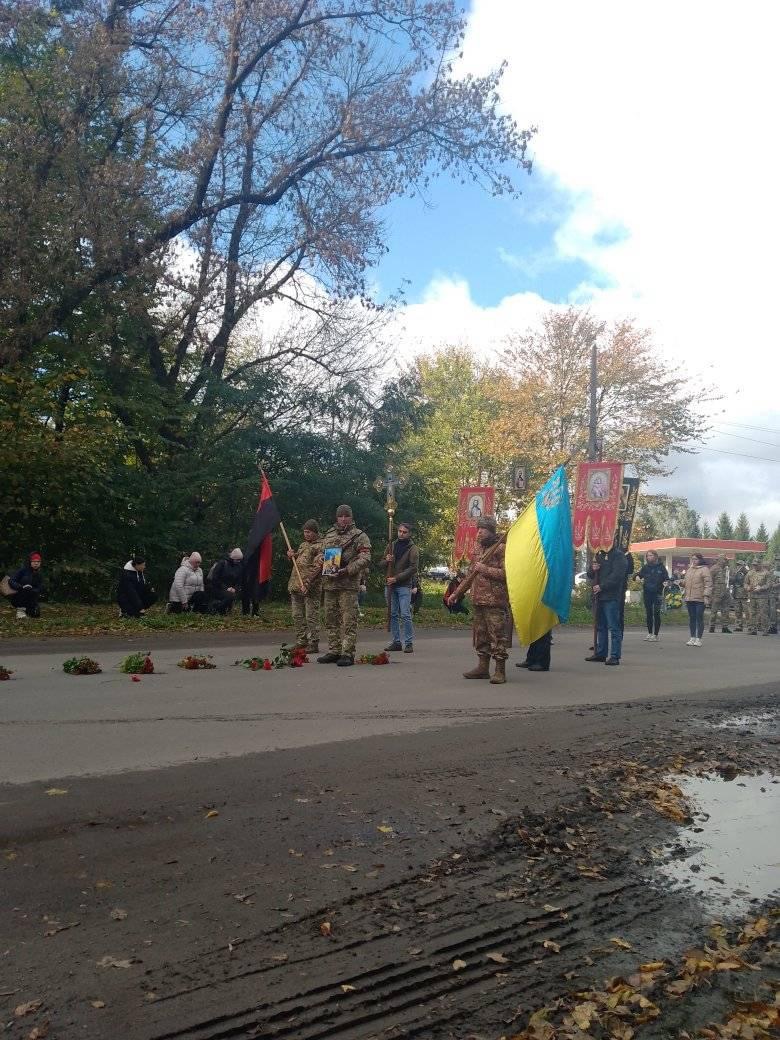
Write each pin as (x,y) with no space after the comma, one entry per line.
(761,721)
(736,855)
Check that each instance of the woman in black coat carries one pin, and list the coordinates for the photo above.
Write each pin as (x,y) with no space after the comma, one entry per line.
(134,594)
(27,585)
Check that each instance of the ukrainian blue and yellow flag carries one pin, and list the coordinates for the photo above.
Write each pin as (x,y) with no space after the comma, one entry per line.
(540,560)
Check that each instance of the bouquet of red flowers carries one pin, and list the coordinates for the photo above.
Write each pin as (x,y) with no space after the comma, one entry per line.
(381,658)
(81,666)
(137,664)
(194,661)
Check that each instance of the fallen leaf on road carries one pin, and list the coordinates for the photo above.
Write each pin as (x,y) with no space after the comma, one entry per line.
(458,965)
(550,945)
(113,962)
(281,958)
(731,965)
(103,883)
(326,928)
(56,927)
(298,855)
(27,1009)
(497,958)
(653,966)
(11,855)
(97,1003)
(211,814)
(118,915)
(548,909)
(348,866)
(679,986)
(622,944)
(346,988)
(244,897)
(39,1032)
(583,1014)
(150,997)
(56,790)
(385,829)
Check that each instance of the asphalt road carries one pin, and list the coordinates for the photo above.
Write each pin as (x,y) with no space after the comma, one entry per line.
(57,725)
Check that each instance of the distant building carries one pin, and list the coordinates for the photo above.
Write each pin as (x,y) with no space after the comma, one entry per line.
(675,553)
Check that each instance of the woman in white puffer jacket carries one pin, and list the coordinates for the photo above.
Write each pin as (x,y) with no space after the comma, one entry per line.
(187,591)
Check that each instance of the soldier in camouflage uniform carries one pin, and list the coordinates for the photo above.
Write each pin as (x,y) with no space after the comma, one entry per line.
(491,605)
(341,587)
(738,574)
(757,585)
(774,597)
(721,598)
(305,601)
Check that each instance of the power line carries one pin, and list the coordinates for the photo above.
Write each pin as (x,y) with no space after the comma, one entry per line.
(741,455)
(740,437)
(744,426)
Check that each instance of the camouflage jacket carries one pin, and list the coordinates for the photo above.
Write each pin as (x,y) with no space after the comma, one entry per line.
(489,590)
(738,576)
(720,579)
(309,560)
(355,558)
(758,583)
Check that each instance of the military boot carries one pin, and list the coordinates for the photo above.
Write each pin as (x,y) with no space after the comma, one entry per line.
(499,673)
(482,670)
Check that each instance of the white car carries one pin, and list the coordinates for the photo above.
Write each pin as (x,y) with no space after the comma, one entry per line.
(440,573)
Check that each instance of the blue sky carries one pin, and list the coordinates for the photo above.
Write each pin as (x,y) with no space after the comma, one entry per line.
(499,245)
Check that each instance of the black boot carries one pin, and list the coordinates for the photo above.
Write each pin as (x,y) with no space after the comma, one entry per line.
(328,658)
(345,661)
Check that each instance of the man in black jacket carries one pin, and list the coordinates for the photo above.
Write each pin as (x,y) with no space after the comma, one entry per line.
(134,595)
(608,574)
(225,577)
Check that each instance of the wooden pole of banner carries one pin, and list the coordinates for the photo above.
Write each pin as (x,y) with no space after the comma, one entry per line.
(467,582)
(389,588)
(294,561)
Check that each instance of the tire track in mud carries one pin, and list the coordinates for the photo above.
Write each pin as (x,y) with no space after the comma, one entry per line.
(389,964)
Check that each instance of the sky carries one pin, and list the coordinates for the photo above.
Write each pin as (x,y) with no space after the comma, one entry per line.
(653,195)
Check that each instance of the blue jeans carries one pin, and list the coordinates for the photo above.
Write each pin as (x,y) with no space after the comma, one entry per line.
(401,610)
(695,618)
(608,630)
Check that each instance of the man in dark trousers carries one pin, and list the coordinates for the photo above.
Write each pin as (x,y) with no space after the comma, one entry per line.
(402,561)
(537,658)
(608,574)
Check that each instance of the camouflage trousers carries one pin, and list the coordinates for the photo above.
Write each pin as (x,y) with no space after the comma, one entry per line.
(721,604)
(492,632)
(739,609)
(759,613)
(341,620)
(306,615)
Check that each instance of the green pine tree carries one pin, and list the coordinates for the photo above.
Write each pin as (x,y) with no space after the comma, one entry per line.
(706,530)
(724,529)
(742,528)
(762,535)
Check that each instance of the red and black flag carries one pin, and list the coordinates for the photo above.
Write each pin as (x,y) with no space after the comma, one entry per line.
(257,554)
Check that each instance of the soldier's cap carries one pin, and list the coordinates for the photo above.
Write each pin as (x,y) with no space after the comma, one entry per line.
(488,523)
(344,511)
(312,525)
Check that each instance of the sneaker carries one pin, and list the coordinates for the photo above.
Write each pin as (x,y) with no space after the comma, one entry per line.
(697,642)
(649,638)
(652,639)
(596,657)
(691,641)
(408,649)
(394,646)
(612,661)
(21,613)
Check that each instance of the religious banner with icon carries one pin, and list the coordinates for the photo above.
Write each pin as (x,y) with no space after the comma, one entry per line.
(473,503)
(629,496)
(597,504)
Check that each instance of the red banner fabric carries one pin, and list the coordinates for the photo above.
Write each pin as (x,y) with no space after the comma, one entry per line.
(596,504)
(473,502)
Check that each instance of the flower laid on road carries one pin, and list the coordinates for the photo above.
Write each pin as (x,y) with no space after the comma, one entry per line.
(138,664)
(194,661)
(288,657)
(374,658)
(81,666)
(5,673)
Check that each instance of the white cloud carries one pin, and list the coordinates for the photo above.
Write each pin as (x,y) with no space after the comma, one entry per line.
(656,127)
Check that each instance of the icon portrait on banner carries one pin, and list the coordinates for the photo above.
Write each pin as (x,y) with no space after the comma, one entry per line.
(598,485)
(476,507)
(520,478)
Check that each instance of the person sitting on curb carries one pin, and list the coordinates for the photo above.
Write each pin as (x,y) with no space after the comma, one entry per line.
(187,591)
(27,587)
(134,595)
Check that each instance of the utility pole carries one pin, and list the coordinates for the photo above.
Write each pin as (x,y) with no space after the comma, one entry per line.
(593,451)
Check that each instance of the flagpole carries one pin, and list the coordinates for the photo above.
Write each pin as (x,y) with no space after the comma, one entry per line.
(294,561)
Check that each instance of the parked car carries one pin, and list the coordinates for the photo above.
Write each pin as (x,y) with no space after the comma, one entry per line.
(438,573)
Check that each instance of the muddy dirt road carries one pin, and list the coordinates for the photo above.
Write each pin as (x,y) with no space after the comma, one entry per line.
(444,883)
